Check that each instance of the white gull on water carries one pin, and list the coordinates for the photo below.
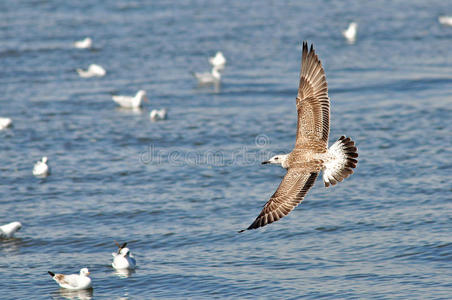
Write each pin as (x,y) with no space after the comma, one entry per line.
(311,154)
(84,44)
(41,169)
(445,20)
(74,281)
(8,230)
(350,32)
(158,114)
(5,123)
(123,259)
(131,102)
(213,77)
(92,71)
(218,61)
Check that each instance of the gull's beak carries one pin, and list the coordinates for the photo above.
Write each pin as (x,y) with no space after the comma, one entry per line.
(265,162)
(145,99)
(88,273)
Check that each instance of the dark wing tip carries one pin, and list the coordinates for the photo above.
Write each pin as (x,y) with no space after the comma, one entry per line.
(51,273)
(305,48)
(120,246)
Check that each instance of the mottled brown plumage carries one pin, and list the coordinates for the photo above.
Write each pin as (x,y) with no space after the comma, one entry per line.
(310,154)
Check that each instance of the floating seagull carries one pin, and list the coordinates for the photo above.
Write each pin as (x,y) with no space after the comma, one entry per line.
(41,169)
(158,114)
(93,71)
(131,102)
(73,281)
(350,33)
(8,230)
(445,20)
(123,259)
(310,155)
(208,78)
(84,44)
(218,60)
(5,123)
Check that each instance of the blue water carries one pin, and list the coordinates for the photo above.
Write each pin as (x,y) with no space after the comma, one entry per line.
(177,191)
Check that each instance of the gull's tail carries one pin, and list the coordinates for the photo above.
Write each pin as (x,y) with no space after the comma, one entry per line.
(341,166)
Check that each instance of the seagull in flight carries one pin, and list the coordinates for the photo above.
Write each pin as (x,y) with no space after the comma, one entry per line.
(311,153)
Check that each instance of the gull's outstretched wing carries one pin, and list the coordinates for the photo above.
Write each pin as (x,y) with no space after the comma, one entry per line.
(313,104)
(289,194)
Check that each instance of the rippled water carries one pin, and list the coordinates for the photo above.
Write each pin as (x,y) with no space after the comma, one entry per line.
(177,191)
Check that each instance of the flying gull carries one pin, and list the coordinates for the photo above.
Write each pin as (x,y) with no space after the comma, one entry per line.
(311,153)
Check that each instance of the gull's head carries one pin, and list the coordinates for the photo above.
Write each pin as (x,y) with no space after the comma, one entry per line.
(353,25)
(44,159)
(16,225)
(124,251)
(280,159)
(84,272)
(141,94)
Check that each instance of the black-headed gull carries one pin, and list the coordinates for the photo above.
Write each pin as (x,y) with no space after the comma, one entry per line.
(218,60)
(84,44)
(41,169)
(74,281)
(93,71)
(131,102)
(158,114)
(350,32)
(8,230)
(5,123)
(123,259)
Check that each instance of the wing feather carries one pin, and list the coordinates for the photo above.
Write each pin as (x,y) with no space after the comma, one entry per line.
(289,194)
(313,104)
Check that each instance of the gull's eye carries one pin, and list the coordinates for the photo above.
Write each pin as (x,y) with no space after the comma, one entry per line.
(276,158)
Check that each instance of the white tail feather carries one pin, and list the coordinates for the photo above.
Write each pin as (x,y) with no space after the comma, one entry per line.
(343,155)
